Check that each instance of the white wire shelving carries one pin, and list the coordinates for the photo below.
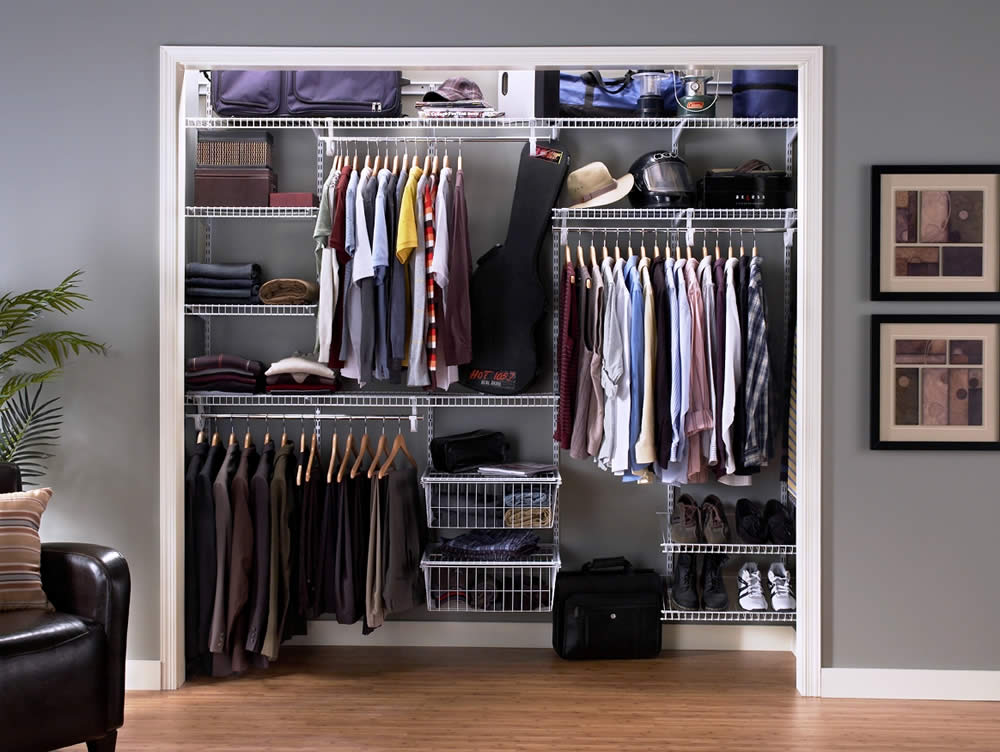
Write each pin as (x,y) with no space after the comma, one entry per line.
(371,399)
(729,215)
(259,309)
(474,501)
(251,212)
(669,547)
(406,123)
(772,617)
(491,586)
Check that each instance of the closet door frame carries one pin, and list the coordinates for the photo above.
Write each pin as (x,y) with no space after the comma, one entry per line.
(176,60)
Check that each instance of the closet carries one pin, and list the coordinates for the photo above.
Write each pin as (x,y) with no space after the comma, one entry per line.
(280,240)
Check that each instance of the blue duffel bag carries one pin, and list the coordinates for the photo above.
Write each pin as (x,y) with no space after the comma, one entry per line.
(765,93)
(590,95)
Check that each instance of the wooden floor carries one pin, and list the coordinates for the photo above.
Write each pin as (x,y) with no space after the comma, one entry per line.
(460,699)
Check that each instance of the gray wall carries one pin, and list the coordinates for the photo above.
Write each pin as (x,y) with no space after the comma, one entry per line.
(908,582)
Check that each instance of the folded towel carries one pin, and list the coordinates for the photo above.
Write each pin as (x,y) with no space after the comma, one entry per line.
(289,292)
(223,271)
(298,365)
(235,362)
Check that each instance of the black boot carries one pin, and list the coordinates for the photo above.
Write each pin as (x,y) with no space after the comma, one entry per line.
(713,589)
(684,593)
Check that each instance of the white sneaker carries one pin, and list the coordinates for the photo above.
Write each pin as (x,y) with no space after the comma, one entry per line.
(751,591)
(782,597)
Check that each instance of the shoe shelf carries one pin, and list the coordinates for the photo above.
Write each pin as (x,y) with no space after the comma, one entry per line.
(756,215)
(491,586)
(667,546)
(767,617)
(253,212)
(371,399)
(486,124)
(259,309)
(473,501)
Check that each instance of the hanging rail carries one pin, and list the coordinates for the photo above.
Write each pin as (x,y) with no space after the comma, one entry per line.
(661,229)
(299,416)
(430,139)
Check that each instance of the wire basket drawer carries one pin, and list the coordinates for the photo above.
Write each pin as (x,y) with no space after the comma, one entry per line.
(493,586)
(478,501)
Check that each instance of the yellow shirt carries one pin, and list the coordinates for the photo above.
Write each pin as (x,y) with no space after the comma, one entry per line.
(406,236)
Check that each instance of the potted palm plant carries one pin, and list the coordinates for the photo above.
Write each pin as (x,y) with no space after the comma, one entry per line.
(29,359)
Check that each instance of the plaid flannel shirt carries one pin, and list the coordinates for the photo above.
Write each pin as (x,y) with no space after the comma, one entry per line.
(757,375)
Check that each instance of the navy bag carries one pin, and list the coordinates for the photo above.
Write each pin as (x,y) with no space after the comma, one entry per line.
(245,93)
(765,93)
(590,95)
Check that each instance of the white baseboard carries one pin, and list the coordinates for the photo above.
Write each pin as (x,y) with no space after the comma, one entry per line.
(142,674)
(477,634)
(910,684)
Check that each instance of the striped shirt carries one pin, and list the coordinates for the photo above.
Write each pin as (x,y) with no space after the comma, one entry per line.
(757,375)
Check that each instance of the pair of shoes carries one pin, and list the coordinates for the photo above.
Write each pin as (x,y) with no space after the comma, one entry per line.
(684,593)
(773,525)
(751,590)
(691,524)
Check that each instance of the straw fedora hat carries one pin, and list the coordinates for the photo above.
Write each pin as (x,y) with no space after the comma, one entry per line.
(592,185)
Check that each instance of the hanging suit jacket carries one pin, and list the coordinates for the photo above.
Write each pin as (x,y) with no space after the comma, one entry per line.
(260,572)
(221,665)
(237,618)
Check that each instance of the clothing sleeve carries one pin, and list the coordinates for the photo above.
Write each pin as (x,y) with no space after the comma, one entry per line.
(324,314)
(439,267)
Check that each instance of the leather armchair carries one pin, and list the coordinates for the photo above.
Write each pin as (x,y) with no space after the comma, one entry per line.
(62,674)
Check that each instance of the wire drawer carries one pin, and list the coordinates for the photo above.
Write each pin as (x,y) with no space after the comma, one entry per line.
(491,586)
(470,500)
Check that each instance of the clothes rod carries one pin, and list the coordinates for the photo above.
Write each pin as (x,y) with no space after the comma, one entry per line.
(431,139)
(299,416)
(644,229)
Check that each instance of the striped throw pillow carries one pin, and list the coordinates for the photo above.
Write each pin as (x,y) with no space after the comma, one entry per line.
(21,550)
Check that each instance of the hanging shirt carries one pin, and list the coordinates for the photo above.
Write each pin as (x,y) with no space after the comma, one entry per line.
(398,289)
(431,332)
(355,366)
(645,446)
(447,373)
(623,394)
(566,345)
(756,449)
(706,274)
(380,263)
(581,410)
(350,245)
(595,416)
(699,417)
(732,376)
(324,268)
(324,217)
(677,471)
(636,337)
(393,280)
(610,350)
(407,239)
(719,361)
(338,237)
(458,321)
(662,372)
(418,375)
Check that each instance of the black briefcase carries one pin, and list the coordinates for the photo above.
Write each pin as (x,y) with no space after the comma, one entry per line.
(608,610)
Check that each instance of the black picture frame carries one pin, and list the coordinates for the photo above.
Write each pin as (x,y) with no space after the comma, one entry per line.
(877,171)
(877,443)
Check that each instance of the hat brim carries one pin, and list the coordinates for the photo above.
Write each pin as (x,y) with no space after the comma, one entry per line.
(625,184)
(443,95)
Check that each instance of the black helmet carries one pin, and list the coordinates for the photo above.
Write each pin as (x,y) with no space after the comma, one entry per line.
(662,181)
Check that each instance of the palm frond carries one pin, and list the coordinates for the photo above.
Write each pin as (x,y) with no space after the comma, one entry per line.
(53,346)
(19,381)
(29,428)
(18,310)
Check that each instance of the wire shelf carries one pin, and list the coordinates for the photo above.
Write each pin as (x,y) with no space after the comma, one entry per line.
(255,212)
(371,399)
(667,546)
(757,215)
(406,123)
(260,309)
(773,617)
(471,500)
(510,587)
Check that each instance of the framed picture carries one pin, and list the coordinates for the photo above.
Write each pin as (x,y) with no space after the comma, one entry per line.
(935,232)
(935,382)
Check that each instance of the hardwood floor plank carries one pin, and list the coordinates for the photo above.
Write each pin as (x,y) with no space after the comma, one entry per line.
(456,700)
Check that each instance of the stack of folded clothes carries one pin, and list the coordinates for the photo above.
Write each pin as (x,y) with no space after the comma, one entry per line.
(222,283)
(464,506)
(528,508)
(297,375)
(289,292)
(490,545)
(224,373)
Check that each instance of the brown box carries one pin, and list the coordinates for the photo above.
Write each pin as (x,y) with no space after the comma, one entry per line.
(294,199)
(222,186)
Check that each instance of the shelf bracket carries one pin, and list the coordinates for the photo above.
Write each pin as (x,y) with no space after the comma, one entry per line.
(555,133)
(532,139)
(690,227)
(791,134)
(675,138)
(413,417)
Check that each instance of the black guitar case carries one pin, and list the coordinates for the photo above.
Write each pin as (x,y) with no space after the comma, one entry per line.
(506,293)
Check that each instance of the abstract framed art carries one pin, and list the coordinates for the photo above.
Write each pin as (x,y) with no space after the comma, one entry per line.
(935,232)
(935,382)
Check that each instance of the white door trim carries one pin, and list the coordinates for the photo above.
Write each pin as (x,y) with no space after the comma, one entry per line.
(174,60)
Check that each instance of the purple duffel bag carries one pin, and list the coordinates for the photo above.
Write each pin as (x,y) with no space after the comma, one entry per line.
(245,93)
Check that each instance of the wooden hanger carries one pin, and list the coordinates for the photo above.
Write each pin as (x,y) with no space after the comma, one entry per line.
(656,245)
(730,244)
(687,245)
(333,458)
(232,433)
(434,165)
(284,433)
(247,440)
(742,252)
(754,252)
(445,163)
(364,449)
(718,251)
(368,154)
(378,160)
(593,252)
(579,259)
(678,251)
(642,246)
(312,456)
(379,451)
(413,164)
(604,247)
(267,430)
(459,155)
(355,165)
(200,438)
(618,250)
(398,445)
(302,454)
(395,161)
(348,449)
(427,161)
(630,251)
(704,245)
